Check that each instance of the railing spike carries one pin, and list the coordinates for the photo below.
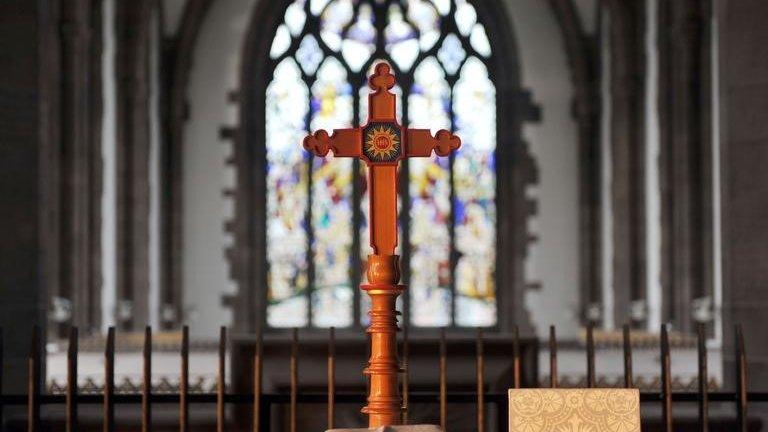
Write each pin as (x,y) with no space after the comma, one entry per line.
(294,377)
(33,382)
(221,381)
(2,368)
(72,420)
(184,381)
(703,378)
(406,377)
(331,376)
(443,382)
(480,382)
(516,358)
(741,379)
(552,357)
(109,381)
(258,367)
(590,356)
(627,351)
(146,385)
(666,380)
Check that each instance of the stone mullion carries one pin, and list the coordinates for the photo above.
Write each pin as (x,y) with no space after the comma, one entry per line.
(51,205)
(308,216)
(76,182)
(79,190)
(664,113)
(680,166)
(84,154)
(627,161)
(132,66)
(703,196)
(95,115)
(637,82)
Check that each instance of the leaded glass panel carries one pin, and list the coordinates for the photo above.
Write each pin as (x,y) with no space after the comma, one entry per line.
(474,182)
(332,178)
(430,209)
(287,197)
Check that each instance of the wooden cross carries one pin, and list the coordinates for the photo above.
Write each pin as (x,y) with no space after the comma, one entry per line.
(382,143)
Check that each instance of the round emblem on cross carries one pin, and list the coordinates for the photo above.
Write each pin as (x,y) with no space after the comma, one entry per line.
(382,142)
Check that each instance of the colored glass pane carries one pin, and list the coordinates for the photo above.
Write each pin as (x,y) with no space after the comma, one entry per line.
(309,54)
(287,197)
(332,203)
(479,41)
(317,6)
(465,17)
(430,192)
(423,14)
(360,41)
(443,6)
(400,38)
(295,17)
(281,42)
(334,18)
(474,177)
(451,54)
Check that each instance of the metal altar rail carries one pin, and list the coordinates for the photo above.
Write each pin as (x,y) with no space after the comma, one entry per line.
(262,402)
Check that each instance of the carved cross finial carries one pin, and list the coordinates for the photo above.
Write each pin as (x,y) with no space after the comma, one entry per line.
(318,144)
(446,143)
(382,79)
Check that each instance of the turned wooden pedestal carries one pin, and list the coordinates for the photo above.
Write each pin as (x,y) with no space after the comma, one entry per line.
(407,428)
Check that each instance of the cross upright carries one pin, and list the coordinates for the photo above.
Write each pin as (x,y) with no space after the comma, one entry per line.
(381,144)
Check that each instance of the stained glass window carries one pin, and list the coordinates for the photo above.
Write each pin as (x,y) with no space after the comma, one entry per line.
(287,200)
(317,208)
(429,188)
(332,295)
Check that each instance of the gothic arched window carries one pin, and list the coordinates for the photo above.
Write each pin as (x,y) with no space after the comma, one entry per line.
(316,211)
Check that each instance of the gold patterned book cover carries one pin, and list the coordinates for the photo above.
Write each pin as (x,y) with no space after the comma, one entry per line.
(574,410)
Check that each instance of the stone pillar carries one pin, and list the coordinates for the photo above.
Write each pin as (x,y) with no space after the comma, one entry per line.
(627,82)
(27,136)
(132,32)
(743,90)
(685,160)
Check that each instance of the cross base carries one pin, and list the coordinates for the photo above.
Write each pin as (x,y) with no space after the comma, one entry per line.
(384,406)
(406,428)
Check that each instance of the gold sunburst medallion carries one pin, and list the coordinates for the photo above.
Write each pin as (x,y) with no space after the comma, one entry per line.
(382,142)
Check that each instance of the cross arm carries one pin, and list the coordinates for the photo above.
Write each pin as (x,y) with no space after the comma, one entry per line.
(343,142)
(421,142)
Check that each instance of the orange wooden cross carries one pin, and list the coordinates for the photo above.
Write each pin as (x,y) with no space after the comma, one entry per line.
(382,143)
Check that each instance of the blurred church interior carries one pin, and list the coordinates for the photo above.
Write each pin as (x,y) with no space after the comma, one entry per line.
(613,171)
